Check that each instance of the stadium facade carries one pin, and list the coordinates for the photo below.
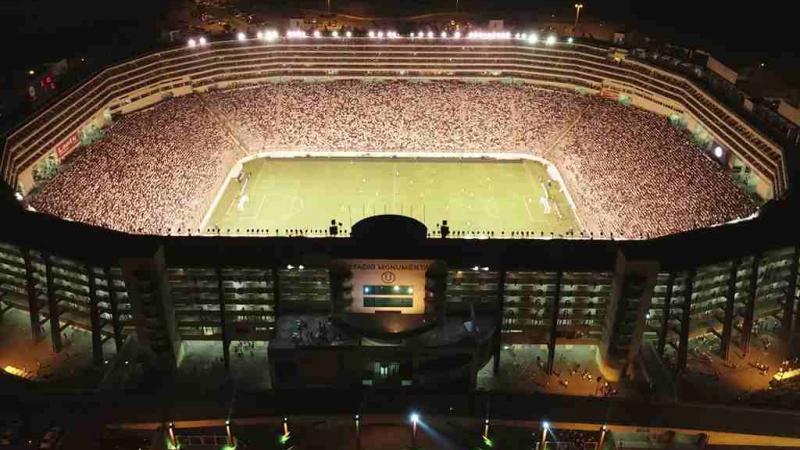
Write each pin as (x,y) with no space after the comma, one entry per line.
(470,297)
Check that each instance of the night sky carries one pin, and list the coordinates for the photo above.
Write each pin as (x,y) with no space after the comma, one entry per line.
(40,30)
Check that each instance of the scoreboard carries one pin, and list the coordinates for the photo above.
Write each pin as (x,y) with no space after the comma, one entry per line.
(388,285)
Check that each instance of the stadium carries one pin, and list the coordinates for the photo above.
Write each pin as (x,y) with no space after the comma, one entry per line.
(402,211)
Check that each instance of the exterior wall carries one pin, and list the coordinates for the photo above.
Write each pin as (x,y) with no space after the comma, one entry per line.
(150,296)
(131,86)
(789,112)
(722,70)
(154,314)
(630,301)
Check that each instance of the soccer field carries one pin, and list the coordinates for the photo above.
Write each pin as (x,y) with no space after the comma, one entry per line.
(474,196)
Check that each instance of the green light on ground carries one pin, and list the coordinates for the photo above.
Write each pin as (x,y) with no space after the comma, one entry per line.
(284,438)
(488,441)
(228,447)
(172,447)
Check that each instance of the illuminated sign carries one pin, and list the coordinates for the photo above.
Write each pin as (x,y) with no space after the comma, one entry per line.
(380,285)
(65,147)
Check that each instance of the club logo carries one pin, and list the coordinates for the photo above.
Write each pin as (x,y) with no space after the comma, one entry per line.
(388,277)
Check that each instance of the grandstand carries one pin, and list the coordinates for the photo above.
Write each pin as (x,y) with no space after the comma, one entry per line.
(625,169)
(650,267)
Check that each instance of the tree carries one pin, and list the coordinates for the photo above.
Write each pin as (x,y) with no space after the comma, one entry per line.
(46,170)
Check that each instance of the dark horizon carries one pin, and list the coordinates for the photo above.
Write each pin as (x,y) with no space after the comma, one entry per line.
(46,30)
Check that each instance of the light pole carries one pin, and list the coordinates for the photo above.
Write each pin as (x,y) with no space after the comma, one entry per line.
(545,427)
(603,430)
(172,439)
(578,7)
(414,420)
(358,433)
(231,439)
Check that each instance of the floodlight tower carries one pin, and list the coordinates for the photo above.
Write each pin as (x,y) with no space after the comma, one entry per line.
(578,7)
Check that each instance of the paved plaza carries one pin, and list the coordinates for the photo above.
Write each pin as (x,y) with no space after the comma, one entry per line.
(37,362)
(522,369)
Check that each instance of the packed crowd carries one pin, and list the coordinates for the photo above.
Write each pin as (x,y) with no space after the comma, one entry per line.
(630,172)
(352,115)
(155,170)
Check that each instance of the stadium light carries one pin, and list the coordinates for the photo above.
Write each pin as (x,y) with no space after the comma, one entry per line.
(335,33)
(430,34)
(202,41)
(380,34)
(191,43)
(371,34)
(241,36)
(533,38)
(457,35)
(260,35)
(551,40)
(349,34)
(578,7)
(414,418)
(317,34)
(443,34)
(718,151)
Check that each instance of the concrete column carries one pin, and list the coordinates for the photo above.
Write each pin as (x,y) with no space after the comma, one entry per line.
(112,300)
(683,347)
(750,306)
(276,291)
(551,341)
(662,337)
(33,297)
(788,325)
(727,322)
(498,331)
(226,342)
(52,306)
(151,304)
(94,319)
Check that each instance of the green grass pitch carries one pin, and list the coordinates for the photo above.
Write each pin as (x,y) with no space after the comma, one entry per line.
(474,196)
